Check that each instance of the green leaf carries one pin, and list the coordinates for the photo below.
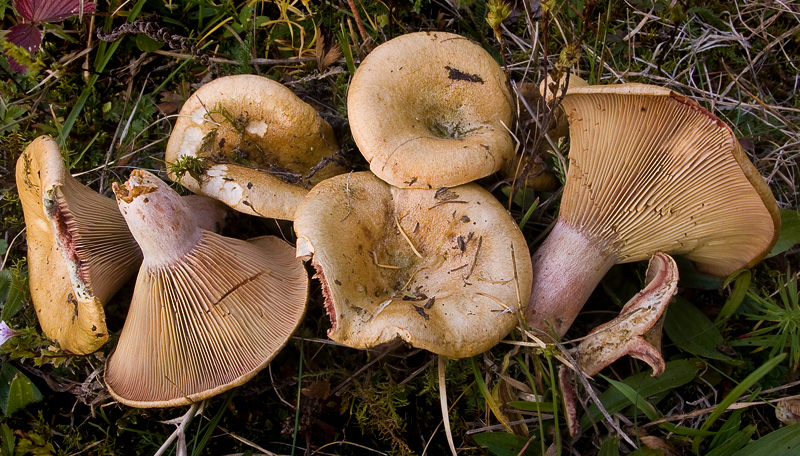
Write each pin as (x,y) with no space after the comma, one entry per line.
(12,293)
(729,427)
(677,373)
(346,51)
(736,393)
(783,442)
(736,297)
(7,440)
(147,44)
(733,443)
(504,444)
(530,406)
(635,399)
(692,331)
(790,232)
(21,393)
(610,447)
(16,390)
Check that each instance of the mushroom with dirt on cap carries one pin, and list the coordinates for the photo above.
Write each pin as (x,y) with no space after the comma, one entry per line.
(260,146)
(208,312)
(431,110)
(649,171)
(80,251)
(445,270)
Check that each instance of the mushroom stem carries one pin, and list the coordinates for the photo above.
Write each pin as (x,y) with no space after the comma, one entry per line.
(162,241)
(566,269)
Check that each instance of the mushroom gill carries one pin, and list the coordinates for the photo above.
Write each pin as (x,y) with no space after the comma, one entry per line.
(208,312)
(80,251)
(649,171)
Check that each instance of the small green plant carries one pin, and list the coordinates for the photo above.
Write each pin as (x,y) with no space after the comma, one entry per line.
(778,326)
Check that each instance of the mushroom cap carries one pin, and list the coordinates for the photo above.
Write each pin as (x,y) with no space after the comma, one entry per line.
(258,142)
(431,110)
(458,297)
(651,170)
(208,312)
(80,251)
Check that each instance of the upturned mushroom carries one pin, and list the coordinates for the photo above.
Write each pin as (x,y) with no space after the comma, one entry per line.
(80,251)
(260,145)
(649,171)
(431,110)
(445,270)
(208,312)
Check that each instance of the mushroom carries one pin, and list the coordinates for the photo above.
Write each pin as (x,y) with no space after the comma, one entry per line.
(637,329)
(208,312)
(80,251)
(635,332)
(442,269)
(649,171)
(261,146)
(431,110)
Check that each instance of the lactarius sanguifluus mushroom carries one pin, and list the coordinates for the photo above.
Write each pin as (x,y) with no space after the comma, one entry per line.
(649,171)
(431,110)
(260,145)
(80,251)
(442,269)
(208,312)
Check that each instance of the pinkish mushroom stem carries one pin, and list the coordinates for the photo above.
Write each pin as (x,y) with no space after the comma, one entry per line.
(566,269)
(159,245)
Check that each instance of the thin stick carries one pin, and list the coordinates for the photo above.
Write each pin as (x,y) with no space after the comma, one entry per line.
(179,432)
(361,30)
(443,400)
(386,266)
(406,237)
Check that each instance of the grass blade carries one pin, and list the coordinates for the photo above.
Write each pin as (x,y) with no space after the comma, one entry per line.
(735,394)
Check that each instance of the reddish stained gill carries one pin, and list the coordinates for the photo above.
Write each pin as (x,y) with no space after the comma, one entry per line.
(326,293)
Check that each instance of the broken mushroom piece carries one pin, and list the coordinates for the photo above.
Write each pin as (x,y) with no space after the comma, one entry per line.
(637,329)
(208,312)
(443,269)
(649,171)
(431,110)
(80,251)
(635,332)
(259,146)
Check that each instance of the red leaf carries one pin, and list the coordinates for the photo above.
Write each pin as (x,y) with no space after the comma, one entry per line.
(26,36)
(39,11)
